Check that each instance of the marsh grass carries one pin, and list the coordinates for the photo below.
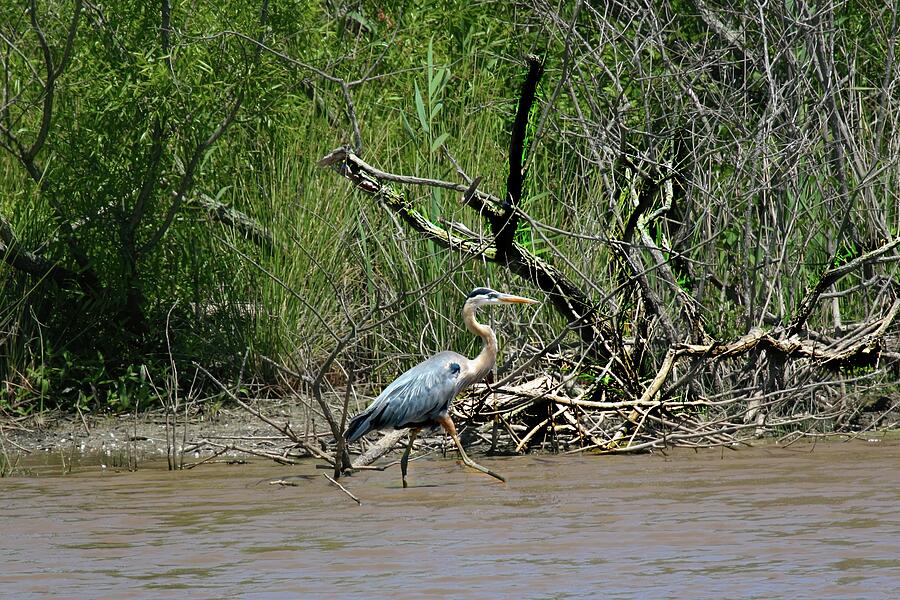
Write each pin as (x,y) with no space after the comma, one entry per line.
(7,466)
(448,79)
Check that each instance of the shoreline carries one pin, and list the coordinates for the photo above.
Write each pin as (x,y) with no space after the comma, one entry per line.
(228,434)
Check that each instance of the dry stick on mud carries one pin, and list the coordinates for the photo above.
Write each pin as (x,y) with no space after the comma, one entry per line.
(285,430)
(209,458)
(281,459)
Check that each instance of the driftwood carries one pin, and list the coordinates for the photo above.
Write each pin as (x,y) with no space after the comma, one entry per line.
(579,423)
(379,449)
(343,489)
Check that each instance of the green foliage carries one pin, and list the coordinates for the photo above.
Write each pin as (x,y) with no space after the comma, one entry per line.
(133,112)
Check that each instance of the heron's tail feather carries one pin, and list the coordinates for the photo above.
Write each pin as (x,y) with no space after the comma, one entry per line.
(358,427)
(366,421)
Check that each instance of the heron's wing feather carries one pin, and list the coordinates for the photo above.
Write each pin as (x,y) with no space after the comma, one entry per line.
(418,396)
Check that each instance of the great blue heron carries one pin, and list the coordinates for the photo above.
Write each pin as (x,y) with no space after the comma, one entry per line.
(421,396)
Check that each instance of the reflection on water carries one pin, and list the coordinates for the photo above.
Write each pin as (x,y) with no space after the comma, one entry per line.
(802,522)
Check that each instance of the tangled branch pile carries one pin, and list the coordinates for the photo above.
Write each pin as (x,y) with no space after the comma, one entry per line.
(554,413)
(723,241)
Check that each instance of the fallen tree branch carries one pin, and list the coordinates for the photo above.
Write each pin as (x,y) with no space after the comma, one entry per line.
(379,448)
(231,217)
(829,278)
(565,296)
(29,262)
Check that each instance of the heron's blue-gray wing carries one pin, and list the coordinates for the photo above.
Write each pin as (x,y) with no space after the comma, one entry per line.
(417,397)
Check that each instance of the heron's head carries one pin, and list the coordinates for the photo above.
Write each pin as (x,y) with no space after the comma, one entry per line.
(486,296)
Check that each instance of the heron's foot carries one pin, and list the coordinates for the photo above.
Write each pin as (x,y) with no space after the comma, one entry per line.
(474,465)
(403,473)
(404,460)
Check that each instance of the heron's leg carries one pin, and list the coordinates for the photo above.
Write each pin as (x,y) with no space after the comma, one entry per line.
(448,425)
(405,460)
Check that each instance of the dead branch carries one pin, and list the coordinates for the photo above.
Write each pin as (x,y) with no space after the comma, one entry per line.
(343,489)
(231,217)
(379,449)
(29,262)
(565,295)
(504,227)
(830,277)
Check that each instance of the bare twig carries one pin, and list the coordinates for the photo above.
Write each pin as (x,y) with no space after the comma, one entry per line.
(342,488)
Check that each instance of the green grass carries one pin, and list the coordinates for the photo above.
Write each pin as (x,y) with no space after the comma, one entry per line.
(450,77)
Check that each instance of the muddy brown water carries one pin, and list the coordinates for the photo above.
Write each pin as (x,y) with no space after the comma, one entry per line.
(804,522)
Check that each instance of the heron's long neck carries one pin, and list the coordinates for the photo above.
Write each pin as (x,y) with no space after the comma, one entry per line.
(488,355)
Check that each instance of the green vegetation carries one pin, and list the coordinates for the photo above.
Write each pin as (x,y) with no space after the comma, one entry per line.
(118,162)
(114,199)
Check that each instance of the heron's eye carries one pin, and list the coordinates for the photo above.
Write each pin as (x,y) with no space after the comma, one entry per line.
(493,296)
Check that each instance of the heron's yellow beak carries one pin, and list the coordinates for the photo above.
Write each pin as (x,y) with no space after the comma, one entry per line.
(509,298)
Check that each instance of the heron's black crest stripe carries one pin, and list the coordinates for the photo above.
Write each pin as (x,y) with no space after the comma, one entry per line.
(480,292)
